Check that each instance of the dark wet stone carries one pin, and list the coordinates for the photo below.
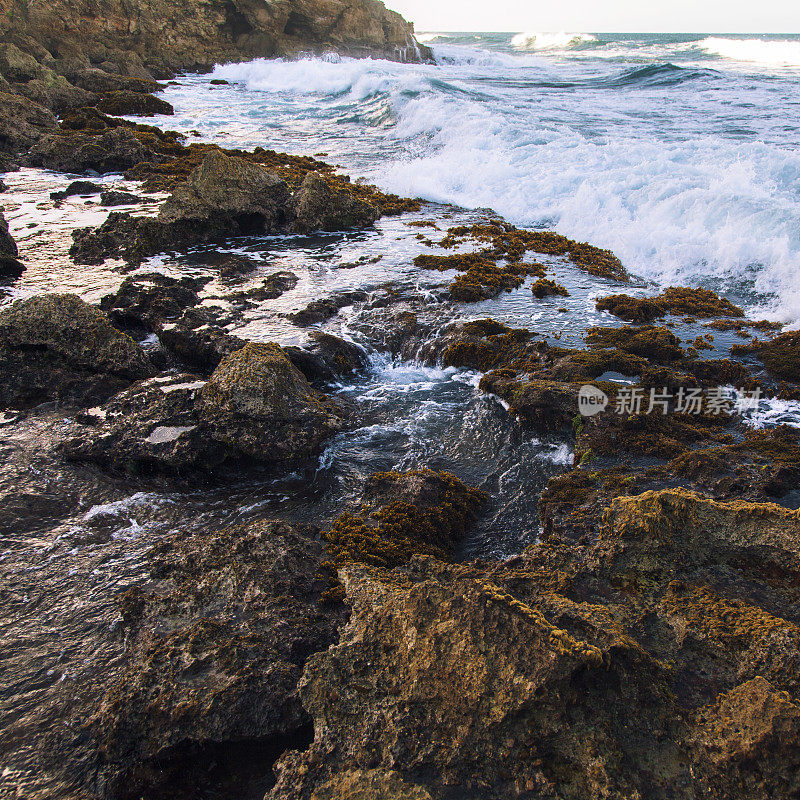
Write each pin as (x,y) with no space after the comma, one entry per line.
(125,103)
(58,347)
(77,188)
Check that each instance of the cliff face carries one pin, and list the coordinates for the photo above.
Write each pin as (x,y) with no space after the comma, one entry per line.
(170,35)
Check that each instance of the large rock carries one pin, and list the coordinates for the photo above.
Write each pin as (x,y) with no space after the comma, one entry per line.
(114,150)
(257,402)
(256,407)
(10,267)
(215,647)
(173,35)
(326,207)
(58,347)
(232,192)
(660,660)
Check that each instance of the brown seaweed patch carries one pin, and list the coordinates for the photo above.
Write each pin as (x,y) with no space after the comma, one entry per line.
(781,355)
(481,278)
(507,241)
(659,344)
(544,287)
(390,534)
(699,303)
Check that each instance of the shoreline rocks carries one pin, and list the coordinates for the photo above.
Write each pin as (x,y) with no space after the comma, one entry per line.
(10,265)
(56,347)
(255,408)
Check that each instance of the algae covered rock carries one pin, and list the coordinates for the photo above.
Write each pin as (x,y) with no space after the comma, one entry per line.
(322,205)
(58,347)
(230,191)
(216,645)
(136,104)
(260,404)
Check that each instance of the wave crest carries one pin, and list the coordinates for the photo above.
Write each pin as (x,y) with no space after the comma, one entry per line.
(536,40)
(770,52)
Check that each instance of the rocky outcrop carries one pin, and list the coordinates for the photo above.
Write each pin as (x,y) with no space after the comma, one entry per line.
(171,35)
(58,347)
(224,196)
(322,206)
(10,266)
(257,402)
(519,679)
(125,102)
(256,407)
(216,644)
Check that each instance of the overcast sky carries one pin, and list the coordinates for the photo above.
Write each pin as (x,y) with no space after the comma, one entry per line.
(577,16)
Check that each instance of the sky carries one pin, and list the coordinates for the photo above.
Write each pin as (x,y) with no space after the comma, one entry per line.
(593,16)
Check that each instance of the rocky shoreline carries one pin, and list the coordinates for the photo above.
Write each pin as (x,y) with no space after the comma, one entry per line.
(647,644)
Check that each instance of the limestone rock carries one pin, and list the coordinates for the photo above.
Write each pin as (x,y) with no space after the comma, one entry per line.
(321,206)
(57,346)
(257,402)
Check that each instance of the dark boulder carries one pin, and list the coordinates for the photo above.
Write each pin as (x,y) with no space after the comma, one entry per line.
(325,206)
(111,198)
(135,104)
(77,188)
(58,347)
(10,266)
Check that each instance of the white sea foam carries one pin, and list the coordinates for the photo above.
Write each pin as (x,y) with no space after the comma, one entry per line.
(771,52)
(538,40)
(688,175)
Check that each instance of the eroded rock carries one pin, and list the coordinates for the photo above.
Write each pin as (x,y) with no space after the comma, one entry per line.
(58,347)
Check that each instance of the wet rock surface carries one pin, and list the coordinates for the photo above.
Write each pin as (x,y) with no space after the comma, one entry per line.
(10,266)
(217,640)
(546,653)
(58,347)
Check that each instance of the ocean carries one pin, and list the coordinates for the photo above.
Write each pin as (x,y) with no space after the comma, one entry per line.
(677,152)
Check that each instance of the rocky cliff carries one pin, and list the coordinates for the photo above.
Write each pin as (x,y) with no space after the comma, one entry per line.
(170,35)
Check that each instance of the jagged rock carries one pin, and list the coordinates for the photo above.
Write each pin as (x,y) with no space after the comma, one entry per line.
(10,266)
(77,188)
(58,347)
(114,198)
(115,150)
(323,206)
(127,103)
(519,678)
(272,287)
(22,122)
(257,402)
(327,358)
(216,645)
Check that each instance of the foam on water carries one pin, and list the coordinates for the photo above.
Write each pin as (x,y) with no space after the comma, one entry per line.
(774,53)
(666,150)
(536,40)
